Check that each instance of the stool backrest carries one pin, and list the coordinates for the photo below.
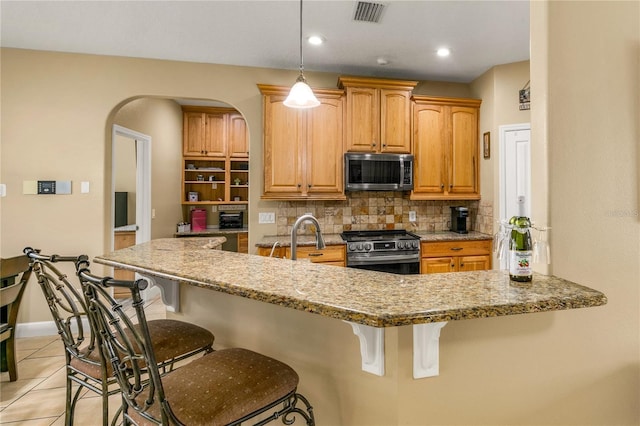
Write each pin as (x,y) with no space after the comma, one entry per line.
(126,343)
(66,303)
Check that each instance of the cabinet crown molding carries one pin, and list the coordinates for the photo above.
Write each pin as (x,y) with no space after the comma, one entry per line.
(377,83)
(444,100)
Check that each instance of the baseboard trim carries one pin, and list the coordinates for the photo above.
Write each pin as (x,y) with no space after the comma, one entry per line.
(36,329)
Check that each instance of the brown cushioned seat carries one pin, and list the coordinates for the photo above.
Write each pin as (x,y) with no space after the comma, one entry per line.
(223,386)
(171,338)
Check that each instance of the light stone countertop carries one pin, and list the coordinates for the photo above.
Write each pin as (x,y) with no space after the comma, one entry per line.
(366,297)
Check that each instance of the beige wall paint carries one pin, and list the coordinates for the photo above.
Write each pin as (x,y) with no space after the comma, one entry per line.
(565,368)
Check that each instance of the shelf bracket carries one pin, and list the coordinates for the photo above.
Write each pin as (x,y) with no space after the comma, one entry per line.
(169,291)
(371,347)
(426,349)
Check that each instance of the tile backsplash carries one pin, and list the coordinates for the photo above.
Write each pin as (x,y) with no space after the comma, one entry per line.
(382,210)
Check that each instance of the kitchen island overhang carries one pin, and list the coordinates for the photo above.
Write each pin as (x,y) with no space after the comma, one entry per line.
(369,300)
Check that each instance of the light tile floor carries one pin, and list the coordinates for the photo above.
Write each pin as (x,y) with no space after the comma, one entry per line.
(37,398)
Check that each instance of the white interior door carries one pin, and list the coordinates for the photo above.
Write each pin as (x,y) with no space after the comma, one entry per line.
(515,171)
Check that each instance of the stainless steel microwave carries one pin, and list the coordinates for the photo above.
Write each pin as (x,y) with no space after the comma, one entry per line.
(378,172)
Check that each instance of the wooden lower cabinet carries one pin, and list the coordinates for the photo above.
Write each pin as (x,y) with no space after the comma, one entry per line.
(455,256)
(243,242)
(123,239)
(331,255)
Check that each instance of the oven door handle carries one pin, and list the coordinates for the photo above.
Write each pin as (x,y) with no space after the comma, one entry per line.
(383,260)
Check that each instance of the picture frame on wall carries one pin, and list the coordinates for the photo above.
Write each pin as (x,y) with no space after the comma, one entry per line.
(486,144)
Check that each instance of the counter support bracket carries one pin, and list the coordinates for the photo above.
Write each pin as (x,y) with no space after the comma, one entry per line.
(169,291)
(426,349)
(371,347)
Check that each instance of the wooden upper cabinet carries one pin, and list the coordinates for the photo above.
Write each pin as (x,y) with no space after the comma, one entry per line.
(303,148)
(214,132)
(238,136)
(446,148)
(378,116)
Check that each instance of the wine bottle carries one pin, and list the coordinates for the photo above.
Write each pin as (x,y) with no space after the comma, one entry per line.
(520,246)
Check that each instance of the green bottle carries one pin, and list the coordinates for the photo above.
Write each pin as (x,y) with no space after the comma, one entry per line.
(520,246)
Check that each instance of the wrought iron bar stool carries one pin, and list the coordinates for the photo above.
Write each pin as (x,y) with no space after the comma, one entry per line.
(172,340)
(225,387)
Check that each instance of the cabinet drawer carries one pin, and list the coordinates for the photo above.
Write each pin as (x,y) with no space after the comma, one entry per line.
(456,248)
(328,254)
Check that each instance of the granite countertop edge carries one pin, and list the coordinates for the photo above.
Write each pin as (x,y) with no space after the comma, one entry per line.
(365,297)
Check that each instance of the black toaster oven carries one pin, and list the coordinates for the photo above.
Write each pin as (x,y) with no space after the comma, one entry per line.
(231,220)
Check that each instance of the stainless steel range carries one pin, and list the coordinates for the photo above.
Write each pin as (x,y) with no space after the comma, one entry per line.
(395,251)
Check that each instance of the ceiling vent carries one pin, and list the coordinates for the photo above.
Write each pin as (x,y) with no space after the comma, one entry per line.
(368,12)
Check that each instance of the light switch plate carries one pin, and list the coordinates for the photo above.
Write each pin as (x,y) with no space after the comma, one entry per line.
(63,187)
(84,187)
(267,217)
(3,190)
(412,216)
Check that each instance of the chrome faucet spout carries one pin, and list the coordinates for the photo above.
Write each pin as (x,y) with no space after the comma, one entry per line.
(273,248)
(294,234)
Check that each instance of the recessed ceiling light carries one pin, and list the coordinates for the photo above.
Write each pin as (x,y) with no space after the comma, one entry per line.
(382,61)
(315,40)
(443,52)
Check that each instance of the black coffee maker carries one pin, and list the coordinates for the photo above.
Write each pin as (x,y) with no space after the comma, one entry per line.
(459,219)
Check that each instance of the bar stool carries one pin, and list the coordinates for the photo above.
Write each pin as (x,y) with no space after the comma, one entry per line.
(86,366)
(15,273)
(225,387)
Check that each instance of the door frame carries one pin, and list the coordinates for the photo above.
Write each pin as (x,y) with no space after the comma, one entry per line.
(143,182)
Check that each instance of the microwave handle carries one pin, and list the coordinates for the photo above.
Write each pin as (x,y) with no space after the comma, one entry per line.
(401,183)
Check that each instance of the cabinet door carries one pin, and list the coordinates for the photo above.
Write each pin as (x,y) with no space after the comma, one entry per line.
(474,263)
(238,145)
(395,121)
(363,119)
(215,135)
(324,147)
(463,169)
(193,133)
(429,142)
(437,265)
(283,152)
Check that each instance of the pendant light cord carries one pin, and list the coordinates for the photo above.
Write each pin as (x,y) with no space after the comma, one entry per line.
(301,57)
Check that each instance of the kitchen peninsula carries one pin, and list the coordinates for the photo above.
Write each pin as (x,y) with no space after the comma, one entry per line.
(264,303)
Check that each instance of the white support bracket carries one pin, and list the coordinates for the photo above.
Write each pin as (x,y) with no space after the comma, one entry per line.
(426,349)
(371,347)
(169,290)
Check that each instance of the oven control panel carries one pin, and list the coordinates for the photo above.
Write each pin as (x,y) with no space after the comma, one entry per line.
(401,245)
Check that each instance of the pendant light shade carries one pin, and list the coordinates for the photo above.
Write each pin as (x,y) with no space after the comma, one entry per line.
(301,95)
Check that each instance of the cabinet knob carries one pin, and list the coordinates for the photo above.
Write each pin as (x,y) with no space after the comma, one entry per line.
(462,265)
(299,185)
(384,144)
(442,186)
(309,186)
(373,144)
(450,185)
(452,265)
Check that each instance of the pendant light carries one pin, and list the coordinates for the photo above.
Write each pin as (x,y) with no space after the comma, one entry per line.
(301,95)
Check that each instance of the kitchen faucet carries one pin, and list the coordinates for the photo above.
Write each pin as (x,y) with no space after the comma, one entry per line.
(294,233)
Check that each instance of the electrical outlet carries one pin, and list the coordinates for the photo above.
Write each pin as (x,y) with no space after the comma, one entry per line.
(412,216)
(267,217)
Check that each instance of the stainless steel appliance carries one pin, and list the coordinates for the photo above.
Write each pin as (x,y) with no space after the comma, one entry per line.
(459,219)
(378,172)
(230,220)
(394,251)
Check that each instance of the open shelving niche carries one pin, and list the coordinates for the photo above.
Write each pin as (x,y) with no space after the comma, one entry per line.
(215,181)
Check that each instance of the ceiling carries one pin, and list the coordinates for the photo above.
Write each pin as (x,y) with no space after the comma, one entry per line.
(265,33)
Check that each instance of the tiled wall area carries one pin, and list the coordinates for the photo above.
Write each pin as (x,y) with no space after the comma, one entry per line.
(382,210)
